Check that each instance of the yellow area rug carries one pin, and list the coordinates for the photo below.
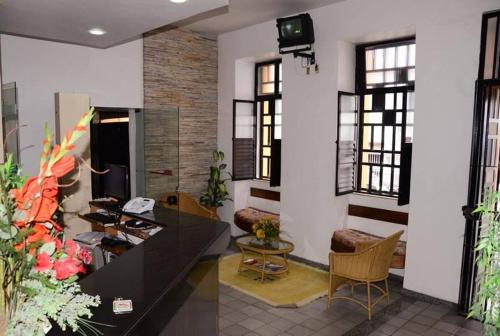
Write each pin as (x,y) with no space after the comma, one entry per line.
(302,285)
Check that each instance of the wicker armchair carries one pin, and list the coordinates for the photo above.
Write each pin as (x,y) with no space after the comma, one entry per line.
(367,265)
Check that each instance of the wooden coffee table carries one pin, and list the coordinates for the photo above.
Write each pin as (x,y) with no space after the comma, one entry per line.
(251,248)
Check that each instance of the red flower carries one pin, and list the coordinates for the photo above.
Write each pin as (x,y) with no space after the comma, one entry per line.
(68,267)
(63,166)
(71,248)
(58,244)
(85,256)
(38,199)
(43,262)
(40,233)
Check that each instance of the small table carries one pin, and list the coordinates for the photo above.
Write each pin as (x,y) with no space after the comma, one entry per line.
(263,265)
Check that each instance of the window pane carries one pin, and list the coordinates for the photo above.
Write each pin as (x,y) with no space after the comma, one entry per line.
(266,79)
(409,118)
(375,178)
(387,158)
(367,102)
(411,75)
(411,57)
(367,137)
(410,101)
(377,137)
(267,120)
(409,134)
(265,169)
(369,60)
(265,136)
(278,106)
(375,77)
(397,140)
(388,138)
(373,118)
(399,117)
(365,176)
(277,120)
(265,108)
(244,123)
(390,76)
(277,132)
(397,158)
(386,179)
(399,101)
(402,55)
(389,101)
(390,57)
(267,88)
(379,59)
(395,181)
(266,151)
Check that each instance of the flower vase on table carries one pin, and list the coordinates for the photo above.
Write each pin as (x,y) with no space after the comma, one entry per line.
(38,268)
(267,232)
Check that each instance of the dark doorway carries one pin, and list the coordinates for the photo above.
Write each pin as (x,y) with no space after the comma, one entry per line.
(109,145)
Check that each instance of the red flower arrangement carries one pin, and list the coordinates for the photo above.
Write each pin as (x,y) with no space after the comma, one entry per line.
(30,241)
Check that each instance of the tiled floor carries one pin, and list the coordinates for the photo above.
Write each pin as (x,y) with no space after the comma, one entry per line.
(241,314)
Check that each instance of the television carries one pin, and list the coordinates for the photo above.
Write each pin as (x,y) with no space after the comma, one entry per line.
(116,182)
(295,30)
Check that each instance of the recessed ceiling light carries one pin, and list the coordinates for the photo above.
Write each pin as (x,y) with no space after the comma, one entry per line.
(178,1)
(97,31)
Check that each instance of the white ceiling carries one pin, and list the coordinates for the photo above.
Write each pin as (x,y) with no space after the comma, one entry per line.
(69,20)
(124,20)
(244,13)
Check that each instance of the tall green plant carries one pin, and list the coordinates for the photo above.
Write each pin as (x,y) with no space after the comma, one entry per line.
(216,192)
(486,305)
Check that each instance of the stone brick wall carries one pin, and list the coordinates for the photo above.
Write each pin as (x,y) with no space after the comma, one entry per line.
(180,68)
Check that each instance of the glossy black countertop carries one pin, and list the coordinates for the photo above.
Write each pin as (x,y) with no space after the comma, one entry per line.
(151,269)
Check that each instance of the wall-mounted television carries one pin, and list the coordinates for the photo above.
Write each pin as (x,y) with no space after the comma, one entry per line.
(295,30)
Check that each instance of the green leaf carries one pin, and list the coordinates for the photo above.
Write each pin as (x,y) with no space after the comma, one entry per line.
(48,248)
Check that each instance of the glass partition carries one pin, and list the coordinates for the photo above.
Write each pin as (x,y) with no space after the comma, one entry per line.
(10,120)
(156,151)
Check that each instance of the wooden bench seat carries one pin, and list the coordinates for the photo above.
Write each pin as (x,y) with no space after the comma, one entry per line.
(346,240)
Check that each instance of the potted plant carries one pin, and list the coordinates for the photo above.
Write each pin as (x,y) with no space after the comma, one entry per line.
(267,230)
(486,305)
(216,192)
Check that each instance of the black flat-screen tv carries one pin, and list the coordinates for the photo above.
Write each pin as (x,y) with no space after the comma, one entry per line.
(116,182)
(295,31)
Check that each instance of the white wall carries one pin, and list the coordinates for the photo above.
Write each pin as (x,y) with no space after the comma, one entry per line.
(112,77)
(448,33)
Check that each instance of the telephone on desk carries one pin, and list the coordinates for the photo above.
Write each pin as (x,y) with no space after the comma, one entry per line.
(139,205)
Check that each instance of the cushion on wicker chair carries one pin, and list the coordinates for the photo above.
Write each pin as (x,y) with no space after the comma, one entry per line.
(245,218)
(346,240)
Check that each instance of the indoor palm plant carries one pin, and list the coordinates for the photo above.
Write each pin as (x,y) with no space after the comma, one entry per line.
(486,305)
(216,192)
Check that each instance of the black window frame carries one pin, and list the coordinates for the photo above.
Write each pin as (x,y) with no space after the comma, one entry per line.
(259,101)
(361,91)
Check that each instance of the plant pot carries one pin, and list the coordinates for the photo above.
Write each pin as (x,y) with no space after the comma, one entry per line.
(213,210)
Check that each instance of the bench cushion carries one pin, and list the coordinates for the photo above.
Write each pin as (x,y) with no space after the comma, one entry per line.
(245,218)
(345,240)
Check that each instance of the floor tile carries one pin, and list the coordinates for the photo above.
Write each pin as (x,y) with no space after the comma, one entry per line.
(299,330)
(251,323)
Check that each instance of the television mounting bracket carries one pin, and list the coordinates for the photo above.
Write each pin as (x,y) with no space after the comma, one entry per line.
(305,52)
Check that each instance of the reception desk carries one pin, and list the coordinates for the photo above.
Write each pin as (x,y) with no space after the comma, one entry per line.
(172,279)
